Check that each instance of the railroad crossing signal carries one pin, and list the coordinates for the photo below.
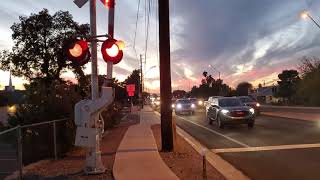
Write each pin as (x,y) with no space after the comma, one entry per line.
(111,50)
(77,51)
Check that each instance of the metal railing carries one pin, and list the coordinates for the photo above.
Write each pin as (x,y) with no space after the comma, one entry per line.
(12,140)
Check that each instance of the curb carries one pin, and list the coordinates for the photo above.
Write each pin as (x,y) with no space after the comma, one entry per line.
(224,167)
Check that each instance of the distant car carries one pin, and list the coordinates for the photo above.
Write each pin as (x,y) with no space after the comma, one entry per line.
(249,101)
(229,110)
(184,106)
(197,102)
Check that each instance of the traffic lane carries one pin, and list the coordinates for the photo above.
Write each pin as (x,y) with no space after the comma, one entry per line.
(205,136)
(294,164)
(268,131)
(290,109)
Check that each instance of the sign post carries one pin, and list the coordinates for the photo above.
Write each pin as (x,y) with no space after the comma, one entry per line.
(131,88)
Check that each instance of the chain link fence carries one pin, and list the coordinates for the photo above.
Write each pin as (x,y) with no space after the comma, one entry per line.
(26,144)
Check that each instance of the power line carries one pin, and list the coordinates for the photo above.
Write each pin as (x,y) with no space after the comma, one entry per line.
(135,33)
(147,28)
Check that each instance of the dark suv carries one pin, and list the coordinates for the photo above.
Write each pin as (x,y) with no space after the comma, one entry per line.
(229,110)
(249,101)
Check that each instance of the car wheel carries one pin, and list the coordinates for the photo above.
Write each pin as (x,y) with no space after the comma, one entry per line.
(250,124)
(220,123)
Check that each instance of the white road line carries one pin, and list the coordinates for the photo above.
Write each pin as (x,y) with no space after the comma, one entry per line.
(215,132)
(266,148)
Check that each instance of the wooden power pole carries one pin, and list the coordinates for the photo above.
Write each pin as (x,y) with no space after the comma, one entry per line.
(167,131)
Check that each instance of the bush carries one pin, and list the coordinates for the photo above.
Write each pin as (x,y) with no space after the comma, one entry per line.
(46,103)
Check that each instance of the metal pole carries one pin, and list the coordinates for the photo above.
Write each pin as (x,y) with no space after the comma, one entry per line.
(20,152)
(167,131)
(313,20)
(55,141)
(93,157)
(141,82)
(94,57)
(111,34)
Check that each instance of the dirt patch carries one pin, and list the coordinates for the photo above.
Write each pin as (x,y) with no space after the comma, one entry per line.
(71,166)
(185,162)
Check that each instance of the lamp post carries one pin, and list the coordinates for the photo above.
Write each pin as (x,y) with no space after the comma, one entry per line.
(210,66)
(305,14)
(152,67)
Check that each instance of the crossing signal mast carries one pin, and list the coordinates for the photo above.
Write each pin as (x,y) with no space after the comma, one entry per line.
(88,119)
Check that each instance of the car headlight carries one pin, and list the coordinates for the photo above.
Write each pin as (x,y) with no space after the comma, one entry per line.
(224,111)
(200,103)
(172,105)
(193,106)
(179,106)
(251,110)
(158,103)
(258,105)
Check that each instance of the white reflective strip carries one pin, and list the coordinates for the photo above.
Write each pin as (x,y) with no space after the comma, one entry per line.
(266,148)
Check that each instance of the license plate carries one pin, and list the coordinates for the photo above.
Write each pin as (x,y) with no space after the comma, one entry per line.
(240,113)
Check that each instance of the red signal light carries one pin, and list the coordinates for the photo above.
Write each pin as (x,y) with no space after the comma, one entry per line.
(107,3)
(111,50)
(77,51)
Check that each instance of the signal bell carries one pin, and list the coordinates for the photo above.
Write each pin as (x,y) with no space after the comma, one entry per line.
(77,51)
(111,50)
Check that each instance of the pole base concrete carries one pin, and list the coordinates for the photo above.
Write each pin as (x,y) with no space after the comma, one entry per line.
(94,163)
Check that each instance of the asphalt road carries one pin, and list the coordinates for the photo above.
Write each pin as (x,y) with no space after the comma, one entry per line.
(276,148)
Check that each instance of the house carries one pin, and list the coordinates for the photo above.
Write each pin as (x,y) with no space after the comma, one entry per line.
(265,95)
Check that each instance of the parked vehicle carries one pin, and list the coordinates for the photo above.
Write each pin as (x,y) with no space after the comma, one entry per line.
(249,101)
(184,106)
(229,110)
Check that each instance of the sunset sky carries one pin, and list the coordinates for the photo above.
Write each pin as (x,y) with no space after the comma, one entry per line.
(245,40)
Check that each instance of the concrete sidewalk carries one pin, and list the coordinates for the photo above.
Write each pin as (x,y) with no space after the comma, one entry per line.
(137,157)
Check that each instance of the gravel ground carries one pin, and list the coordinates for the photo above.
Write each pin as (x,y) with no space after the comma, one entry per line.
(70,167)
(185,162)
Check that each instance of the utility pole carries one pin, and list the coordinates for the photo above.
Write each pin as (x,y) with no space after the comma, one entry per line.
(141,82)
(167,131)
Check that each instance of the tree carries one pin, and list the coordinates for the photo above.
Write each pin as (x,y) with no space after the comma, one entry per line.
(309,86)
(38,46)
(179,93)
(243,88)
(288,84)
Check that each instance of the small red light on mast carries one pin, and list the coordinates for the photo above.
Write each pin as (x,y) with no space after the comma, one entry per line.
(106,3)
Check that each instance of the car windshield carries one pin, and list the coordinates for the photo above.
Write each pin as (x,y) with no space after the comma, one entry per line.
(184,101)
(229,102)
(193,100)
(246,99)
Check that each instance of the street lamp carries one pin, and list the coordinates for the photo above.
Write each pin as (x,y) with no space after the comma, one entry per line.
(305,14)
(152,67)
(210,66)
